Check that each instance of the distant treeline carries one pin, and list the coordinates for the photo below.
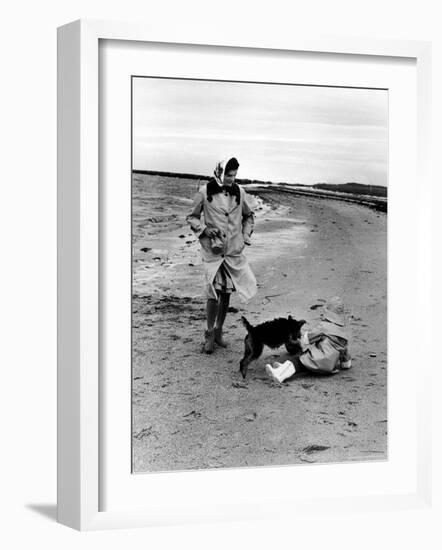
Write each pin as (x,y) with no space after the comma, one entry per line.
(193,176)
(355,188)
(172,174)
(351,187)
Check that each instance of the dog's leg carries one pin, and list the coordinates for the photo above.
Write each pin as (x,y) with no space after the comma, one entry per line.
(253,351)
(257,349)
(248,354)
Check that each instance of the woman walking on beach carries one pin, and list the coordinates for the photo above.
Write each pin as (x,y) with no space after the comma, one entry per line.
(226,228)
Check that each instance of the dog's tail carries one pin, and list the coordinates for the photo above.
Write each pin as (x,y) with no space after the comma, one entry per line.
(246,324)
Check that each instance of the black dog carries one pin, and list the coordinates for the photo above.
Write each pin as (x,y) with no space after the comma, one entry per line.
(272,334)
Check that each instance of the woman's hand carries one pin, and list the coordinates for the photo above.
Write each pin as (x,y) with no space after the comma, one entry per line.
(212,232)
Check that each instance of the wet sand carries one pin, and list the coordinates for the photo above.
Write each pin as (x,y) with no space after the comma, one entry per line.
(192,410)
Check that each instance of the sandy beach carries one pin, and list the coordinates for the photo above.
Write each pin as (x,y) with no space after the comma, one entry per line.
(192,410)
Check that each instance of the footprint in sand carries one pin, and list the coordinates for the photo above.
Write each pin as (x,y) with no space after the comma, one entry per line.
(315,448)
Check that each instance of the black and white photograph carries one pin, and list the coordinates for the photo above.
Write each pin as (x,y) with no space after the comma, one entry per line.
(221,275)
(259,274)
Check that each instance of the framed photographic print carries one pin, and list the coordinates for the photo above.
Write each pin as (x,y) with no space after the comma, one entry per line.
(232,275)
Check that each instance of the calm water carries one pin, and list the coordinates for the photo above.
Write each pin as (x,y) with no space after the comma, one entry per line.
(166,255)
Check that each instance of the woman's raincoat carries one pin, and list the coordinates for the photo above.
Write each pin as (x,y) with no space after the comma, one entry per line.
(231,214)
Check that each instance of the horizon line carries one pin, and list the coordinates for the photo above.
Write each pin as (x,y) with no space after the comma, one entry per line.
(251,180)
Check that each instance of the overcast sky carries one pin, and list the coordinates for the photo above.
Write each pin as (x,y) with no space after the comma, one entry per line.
(302,134)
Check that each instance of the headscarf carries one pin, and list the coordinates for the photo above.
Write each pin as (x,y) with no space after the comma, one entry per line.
(220,169)
(216,184)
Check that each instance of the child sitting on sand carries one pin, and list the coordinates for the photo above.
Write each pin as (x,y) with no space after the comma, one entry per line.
(324,348)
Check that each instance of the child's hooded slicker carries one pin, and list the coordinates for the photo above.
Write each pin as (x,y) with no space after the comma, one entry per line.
(326,346)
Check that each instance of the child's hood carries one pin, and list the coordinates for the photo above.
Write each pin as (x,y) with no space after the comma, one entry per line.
(328,327)
(332,316)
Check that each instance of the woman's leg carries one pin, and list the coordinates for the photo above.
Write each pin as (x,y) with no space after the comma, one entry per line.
(223,305)
(211,311)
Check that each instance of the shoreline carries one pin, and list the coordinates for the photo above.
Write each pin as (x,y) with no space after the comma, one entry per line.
(375,203)
(377,200)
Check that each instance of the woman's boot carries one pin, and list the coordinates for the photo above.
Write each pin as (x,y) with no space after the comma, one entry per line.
(209,342)
(219,337)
